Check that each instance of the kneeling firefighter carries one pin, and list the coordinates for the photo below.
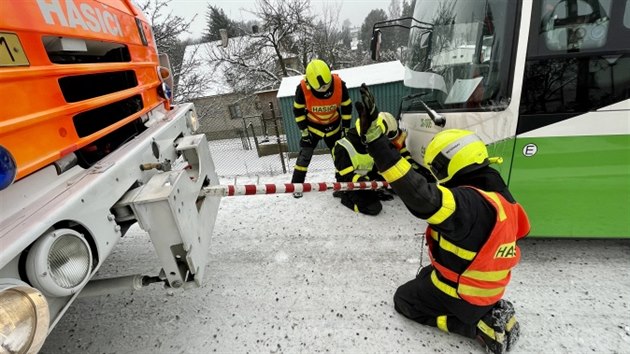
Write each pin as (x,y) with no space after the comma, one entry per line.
(474,225)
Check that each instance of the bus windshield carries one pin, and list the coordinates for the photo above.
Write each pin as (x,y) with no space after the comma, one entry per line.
(462,60)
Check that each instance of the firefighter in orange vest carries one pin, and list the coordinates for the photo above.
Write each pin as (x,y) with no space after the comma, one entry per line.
(323,110)
(474,224)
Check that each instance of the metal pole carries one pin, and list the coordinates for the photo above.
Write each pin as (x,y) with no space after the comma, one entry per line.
(275,122)
(253,189)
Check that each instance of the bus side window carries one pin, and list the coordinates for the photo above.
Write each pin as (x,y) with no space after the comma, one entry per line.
(574,24)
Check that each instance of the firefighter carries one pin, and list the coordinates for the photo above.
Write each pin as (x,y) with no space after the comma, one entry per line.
(354,164)
(473,225)
(323,110)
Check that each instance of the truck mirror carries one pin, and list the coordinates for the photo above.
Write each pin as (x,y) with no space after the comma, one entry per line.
(375,45)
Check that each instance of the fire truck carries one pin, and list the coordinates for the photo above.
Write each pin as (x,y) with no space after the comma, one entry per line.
(91,143)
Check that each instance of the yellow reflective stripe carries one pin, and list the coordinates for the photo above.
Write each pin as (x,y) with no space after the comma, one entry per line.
(403,150)
(346,102)
(356,208)
(316,131)
(346,170)
(397,171)
(458,251)
(298,105)
(445,288)
(486,329)
(487,276)
(300,118)
(356,177)
(447,209)
(510,324)
(441,323)
(346,116)
(333,132)
(475,291)
(300,168)
(495,198)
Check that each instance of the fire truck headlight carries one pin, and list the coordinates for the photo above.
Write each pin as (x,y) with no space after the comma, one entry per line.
(192,120)
(24,317)
(59,263)
(8,168)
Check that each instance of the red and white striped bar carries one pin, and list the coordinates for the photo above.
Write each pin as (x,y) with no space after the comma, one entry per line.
(252,189)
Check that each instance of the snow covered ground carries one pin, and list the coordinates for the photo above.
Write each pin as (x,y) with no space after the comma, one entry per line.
(308,275)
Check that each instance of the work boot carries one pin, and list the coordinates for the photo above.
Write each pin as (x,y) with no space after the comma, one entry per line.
(337,194)
(498,330)
(297,195)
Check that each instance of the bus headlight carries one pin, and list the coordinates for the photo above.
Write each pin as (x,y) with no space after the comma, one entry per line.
(59,263)
(8,168)
(24,317)
(192,120)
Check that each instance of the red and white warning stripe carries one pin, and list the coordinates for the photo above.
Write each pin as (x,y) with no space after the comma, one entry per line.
(252,189)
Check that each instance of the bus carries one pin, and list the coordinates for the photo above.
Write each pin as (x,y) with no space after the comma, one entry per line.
(545,83)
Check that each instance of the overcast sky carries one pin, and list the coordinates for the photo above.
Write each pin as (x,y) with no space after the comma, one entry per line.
(354,10)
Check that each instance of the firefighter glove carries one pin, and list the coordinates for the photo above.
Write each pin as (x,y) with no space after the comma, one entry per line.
(368,102)
(384,196)
(368,116)
(306,139)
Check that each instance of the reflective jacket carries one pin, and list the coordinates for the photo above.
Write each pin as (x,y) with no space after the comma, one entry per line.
(483,282)
(360,163)
(323,111)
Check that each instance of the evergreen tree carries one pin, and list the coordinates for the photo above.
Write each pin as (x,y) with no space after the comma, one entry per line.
(216,19)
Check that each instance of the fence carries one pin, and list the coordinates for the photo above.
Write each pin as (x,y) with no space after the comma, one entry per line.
(258,147)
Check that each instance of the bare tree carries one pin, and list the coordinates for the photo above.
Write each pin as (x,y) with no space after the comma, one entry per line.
(167,29)
(246,65)
(283,21)
(328,37)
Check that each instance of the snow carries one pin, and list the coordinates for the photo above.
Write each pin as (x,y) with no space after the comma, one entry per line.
(370,74)
(308,275)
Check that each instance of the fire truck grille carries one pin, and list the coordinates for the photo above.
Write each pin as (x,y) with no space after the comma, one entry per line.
(83,87)
(91,121)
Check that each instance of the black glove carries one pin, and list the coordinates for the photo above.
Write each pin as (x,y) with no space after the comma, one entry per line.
(306,139)
(383,195)
(368,113)
(368,102)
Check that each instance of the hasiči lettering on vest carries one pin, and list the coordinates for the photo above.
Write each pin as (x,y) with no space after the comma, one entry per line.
(89,18)
(324,109)
(506,250)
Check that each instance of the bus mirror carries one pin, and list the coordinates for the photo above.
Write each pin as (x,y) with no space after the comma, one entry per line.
(375,45)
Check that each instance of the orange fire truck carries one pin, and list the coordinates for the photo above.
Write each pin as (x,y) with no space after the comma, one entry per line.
(90,143)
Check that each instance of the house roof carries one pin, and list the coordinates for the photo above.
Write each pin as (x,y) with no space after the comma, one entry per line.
(373,74)
(214,74)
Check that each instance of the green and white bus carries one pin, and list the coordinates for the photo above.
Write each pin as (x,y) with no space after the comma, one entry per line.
(546,84)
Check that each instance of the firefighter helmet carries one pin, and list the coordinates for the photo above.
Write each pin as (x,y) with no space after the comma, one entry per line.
(455,151)
(318,75)
(386,121)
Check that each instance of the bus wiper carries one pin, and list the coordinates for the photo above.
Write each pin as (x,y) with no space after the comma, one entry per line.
(437,118)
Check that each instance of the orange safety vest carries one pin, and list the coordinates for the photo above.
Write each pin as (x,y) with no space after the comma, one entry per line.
(323,111)
(484,281)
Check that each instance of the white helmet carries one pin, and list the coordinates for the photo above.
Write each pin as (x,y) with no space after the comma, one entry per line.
(390,124)
(387,122)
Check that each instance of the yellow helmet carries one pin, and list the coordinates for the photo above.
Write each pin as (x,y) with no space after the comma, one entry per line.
(455,150)
(318,75)
(386,121)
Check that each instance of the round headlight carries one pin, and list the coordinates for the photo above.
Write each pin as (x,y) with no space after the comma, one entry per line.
(8,168)
(24,317)
(59,263)
(192,120)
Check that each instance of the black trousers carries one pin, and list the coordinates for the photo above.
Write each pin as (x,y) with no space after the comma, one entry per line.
(422,302)
(306,153)
(365,202)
